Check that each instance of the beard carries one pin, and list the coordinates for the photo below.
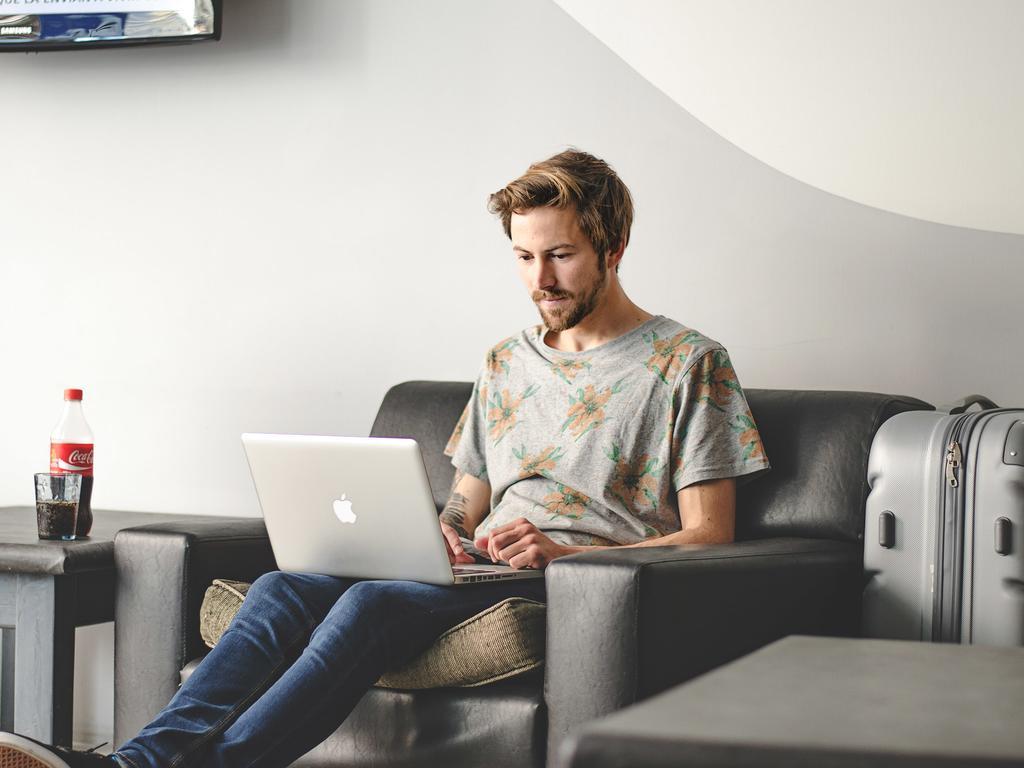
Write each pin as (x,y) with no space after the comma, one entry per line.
(576,307)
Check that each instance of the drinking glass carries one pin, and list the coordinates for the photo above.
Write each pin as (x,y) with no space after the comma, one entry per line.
(57,505)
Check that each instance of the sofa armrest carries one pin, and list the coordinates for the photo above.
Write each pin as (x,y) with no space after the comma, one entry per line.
(163,571)
(623,624)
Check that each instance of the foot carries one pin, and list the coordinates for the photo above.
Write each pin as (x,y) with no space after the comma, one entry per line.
(22,752)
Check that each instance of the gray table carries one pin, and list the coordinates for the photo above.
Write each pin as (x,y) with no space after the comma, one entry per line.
(47,588)
(827,703)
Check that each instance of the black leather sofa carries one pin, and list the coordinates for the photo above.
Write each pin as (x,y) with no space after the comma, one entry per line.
(621,624)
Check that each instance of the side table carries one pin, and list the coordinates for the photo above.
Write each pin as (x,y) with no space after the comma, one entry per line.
(828,703)
(47,588)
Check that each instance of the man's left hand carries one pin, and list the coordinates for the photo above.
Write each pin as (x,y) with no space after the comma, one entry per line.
(456,554)
(521,545)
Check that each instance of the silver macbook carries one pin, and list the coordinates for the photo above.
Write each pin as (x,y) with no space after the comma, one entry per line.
(355,506)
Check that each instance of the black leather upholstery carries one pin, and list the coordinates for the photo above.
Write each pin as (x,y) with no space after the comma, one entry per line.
(632,622)
(163,571)
(436,728)
(818,444)
(622,624)
(417,409)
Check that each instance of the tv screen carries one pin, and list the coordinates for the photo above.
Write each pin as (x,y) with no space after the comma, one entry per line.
(47,25)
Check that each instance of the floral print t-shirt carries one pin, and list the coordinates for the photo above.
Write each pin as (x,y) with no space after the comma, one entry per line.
(592,447)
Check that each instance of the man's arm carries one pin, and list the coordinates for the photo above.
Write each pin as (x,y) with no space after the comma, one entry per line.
(468,504)
(707,512)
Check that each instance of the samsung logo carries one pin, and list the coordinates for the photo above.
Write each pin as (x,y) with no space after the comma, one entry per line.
(15,30)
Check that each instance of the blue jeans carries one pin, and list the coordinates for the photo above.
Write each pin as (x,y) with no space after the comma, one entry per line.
(299,654)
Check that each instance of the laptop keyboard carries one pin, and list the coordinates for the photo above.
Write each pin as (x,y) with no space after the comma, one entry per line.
(457,570)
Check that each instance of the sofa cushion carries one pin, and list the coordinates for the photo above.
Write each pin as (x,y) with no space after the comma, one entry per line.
(220,604)
(502,641)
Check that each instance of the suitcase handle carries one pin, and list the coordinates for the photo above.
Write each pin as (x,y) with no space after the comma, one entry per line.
(1004,536)
(887,530)
(961,405)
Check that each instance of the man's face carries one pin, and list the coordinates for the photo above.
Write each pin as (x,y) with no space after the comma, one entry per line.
(558,265)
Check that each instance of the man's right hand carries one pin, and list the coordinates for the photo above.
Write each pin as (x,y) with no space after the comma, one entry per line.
(467,505)
(452,543)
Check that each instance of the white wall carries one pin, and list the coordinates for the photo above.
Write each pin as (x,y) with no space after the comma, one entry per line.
(267,232)
(911,107)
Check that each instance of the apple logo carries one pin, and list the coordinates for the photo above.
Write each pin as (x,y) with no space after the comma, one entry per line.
(343,510)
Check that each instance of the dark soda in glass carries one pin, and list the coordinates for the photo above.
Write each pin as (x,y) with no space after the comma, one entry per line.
(56,519)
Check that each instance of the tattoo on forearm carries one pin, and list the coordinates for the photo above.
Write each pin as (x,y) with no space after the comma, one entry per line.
(454,513)
(459,474)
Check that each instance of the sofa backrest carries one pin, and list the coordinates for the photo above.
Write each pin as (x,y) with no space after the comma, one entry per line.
(816,441)
(426,411)
(818,444)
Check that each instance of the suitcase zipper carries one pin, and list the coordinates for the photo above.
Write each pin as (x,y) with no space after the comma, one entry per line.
(948,599)
(954,458)
(949,563)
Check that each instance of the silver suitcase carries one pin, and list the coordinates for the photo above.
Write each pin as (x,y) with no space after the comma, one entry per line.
(943,534)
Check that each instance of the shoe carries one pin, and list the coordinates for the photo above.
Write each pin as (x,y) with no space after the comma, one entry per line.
(22,752)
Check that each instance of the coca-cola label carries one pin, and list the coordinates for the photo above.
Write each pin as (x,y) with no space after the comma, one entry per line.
(71,458)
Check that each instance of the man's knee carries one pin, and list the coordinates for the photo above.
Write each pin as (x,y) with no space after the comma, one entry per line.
(369,611)
(270,583)
(378,602)
(284,589)
(370,595)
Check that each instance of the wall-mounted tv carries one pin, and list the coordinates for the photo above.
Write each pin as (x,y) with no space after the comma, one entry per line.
(50,25)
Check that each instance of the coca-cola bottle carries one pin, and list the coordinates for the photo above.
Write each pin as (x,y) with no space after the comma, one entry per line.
(71,451)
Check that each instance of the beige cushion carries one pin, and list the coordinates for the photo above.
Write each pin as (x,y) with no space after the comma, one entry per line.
(505,640)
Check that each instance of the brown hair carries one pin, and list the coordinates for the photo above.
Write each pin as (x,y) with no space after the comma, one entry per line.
(604,207)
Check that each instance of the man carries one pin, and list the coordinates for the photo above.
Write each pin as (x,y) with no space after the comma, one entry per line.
(602,426)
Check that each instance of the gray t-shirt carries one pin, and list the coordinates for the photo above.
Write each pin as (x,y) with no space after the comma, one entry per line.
(592,447)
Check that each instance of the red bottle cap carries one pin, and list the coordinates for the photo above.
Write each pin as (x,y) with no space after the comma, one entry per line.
(72,394)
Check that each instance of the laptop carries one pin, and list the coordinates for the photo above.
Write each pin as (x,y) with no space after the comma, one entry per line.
(356,506)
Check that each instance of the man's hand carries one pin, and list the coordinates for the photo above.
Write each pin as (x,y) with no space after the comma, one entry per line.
(456,554)
(521,545)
